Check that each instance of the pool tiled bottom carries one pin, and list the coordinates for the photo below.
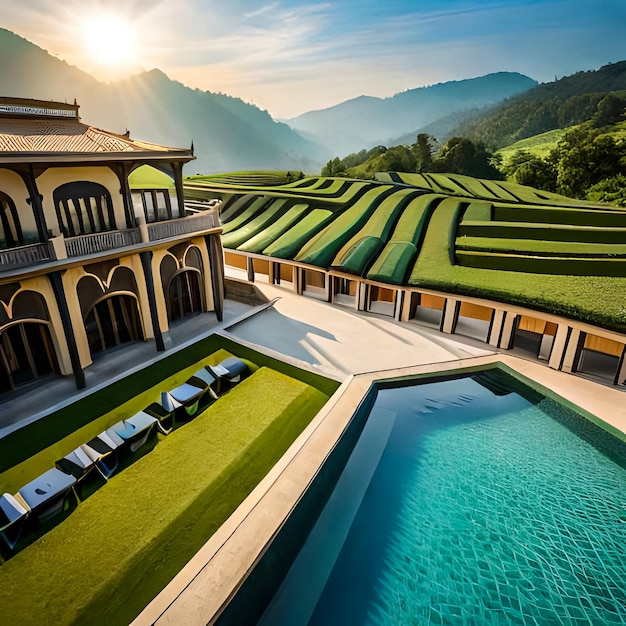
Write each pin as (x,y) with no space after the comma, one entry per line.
(481,509)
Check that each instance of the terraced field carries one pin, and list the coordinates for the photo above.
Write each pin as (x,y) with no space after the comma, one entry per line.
(455,233)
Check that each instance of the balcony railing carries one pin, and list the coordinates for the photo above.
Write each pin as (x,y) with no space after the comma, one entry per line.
(26,255)
(84,245)
(203,220)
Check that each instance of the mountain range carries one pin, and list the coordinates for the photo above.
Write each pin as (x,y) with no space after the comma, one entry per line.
(229,134)
(366,121)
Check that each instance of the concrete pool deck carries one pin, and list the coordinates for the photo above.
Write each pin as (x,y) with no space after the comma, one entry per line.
(358,348)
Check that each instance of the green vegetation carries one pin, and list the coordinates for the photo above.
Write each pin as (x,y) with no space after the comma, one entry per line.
(147,177)
(576,297)
(123,544)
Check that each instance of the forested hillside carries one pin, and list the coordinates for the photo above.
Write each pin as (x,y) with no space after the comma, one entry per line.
(565,102)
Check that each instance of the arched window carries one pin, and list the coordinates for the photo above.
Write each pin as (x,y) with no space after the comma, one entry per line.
(26,353)
(10,228)
(184,295)
(112,321)
(83,207)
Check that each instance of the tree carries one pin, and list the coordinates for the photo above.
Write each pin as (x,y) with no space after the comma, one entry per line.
(423,149)
(587,157)
(334,168)
(463,156)
(528,169)
(610,110)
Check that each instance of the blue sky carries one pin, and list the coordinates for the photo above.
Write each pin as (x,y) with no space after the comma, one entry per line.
(291,56)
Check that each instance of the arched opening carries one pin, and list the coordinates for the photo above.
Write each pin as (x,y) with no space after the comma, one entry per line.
(184,295)
(26,353)
(113,321)
(83,207)
(10,229)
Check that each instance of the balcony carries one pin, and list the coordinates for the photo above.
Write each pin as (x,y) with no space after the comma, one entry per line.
(26,255)
(94,244)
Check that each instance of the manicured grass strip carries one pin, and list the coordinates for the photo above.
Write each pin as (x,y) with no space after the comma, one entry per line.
(575,266)
(411,224)
(271,212)
(547,232)
(322,248)
(235,205)
(539,247)
(573,216)
(287,245)
(249,213)
(393,262)
(17,476)
(268,235)
(597,298)
(380,223)
(122,545)
(123,398)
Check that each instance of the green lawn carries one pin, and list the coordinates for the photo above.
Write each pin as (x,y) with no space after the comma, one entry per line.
(146,177)
(588,298)
(120,547)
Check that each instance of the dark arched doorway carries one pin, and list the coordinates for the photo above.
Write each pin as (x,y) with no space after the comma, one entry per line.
(184,295)
(113,321)
(26,353)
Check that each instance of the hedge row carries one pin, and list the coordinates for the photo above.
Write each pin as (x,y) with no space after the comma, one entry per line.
(546,232)
(265,237)
(273,210)
(559,215)
(322,249)
(572,266)
(290,242)
(539,247)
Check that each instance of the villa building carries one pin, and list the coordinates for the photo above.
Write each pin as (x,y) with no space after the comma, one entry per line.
(86,264)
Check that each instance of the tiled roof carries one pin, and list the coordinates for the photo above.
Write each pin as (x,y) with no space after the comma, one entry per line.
(69,136)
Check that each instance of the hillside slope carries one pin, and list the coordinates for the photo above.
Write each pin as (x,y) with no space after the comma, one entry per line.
(227,133)
(367,121)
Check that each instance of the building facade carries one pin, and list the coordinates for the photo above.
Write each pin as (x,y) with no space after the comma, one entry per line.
(86,264)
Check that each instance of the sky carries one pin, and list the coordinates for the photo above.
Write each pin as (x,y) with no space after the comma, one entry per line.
(293,56)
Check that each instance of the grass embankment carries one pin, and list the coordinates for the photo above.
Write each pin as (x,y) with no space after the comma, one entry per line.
(147,177)
(121,546)
(596,299)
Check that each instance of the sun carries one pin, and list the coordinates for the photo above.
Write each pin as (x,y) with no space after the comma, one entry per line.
(111,45)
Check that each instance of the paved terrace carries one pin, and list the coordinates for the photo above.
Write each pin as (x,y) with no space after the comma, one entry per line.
(354,347)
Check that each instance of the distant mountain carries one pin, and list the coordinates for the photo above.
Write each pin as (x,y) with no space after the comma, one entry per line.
(366,121)
(227,133)
(559,104)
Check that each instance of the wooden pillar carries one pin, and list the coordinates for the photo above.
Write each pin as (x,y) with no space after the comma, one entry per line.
(250,268)
(508,329)
(450,314)
(35,200)
(362,296)
(68,329)
(146,264)
(495,329)
(558,347)
(216,262)
(572,350)
(122,171)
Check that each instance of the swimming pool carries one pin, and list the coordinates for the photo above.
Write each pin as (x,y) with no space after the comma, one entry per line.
(472,500)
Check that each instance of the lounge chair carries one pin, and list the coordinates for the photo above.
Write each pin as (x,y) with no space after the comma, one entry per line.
(165,411)
(103,449)
(188,396)
(229,372)
(49,493)
(83,466)
(13,514)
(136,429)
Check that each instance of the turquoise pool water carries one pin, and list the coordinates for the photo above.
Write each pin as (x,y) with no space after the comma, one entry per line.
(459,505)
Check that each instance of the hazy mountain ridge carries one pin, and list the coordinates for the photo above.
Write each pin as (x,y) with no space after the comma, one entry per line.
(227,133)
(367,121)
